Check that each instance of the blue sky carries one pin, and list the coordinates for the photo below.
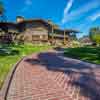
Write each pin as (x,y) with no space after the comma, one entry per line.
(72,14)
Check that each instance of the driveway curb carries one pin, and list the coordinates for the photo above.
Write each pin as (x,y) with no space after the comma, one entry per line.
(5,88)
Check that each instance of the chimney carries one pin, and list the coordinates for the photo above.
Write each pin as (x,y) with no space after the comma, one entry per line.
(19,19)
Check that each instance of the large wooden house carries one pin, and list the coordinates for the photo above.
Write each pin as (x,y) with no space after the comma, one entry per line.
(37,30)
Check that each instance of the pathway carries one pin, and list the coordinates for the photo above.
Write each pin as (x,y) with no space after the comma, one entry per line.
(50,76)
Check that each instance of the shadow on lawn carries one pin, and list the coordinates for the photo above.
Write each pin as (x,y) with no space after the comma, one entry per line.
(6,51)
(86,80)
(90,54)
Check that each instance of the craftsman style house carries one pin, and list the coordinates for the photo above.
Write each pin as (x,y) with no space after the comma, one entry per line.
(37,30)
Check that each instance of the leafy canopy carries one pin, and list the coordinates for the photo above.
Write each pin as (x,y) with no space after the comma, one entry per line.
(1,8)
(95,35)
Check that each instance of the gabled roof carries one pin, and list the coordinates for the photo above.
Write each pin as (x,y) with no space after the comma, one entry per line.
(7,23)
(26,21)
(45,22)
(35,20)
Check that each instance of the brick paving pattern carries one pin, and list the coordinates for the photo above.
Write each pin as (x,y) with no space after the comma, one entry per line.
(37,79)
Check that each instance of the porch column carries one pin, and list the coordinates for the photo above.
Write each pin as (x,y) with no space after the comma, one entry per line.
(52,33)
(64,37)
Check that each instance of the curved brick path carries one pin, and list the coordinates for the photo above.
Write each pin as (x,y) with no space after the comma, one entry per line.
(49,76)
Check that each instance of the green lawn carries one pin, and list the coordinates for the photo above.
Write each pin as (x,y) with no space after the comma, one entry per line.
(89,54)
(9,55)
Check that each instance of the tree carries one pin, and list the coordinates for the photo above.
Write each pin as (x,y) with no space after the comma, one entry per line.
(2,11)
(95,35)
(1,8)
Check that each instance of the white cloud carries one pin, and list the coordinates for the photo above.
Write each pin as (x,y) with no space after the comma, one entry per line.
(23,9)
(27,4)
(66,10)
(95,16)
(68,6)
(75,14)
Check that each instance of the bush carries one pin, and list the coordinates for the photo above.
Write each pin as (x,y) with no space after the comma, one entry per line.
(75,44)
(95,35)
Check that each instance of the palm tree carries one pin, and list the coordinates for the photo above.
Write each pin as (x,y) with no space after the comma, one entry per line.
(1,8)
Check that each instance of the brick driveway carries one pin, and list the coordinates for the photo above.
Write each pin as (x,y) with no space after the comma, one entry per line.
(49,76)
